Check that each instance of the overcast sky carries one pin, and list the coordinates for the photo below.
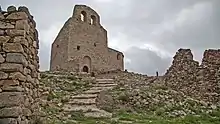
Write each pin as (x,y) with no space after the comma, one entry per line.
(149,32)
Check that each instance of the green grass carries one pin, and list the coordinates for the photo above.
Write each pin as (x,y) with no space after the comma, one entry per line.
(122,117)
(156,111)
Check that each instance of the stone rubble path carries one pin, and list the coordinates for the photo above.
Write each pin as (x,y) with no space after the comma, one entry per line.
(86,102)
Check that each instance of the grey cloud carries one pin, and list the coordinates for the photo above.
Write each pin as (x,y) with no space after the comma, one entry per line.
(146,61)
(44,54)
(199,34)
(137,21)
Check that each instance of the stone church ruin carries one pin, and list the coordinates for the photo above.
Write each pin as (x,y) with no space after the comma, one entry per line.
(28,96)
(82,45)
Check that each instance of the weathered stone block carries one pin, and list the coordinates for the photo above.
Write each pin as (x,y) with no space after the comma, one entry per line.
(13,47)
(9,99)
(15,32)
(32,49)
(26,112)
(12,89)
(32,67)
(35,93)
(22,40)
(4,39)
(2,59)
(30,40)
(23,9)
(2,17)
(11,67)
(27,71)
(4,25)
(33,24)
(30,79)
(10,112)
(11,9)
(26,56)
(25,121)
(9,82)
(8,121)
(17,76)
(1,50)
(34,74)
(35,44)
(3,75)
(16,58)
(2,32)
(17,16)
(22,25)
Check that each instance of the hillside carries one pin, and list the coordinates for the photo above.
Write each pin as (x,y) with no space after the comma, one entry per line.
(135,99)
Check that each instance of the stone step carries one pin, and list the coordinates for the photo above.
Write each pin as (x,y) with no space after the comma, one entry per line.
(84,96)
(83,108)
(98,114)
(101,88)
(91,91)
(82,101)
(105,85)
(104,80)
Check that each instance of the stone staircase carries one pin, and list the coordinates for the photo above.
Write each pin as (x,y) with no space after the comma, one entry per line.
(86,102)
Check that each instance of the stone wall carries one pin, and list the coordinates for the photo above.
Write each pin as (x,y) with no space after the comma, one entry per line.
(200,81)
(19,64)
(84,43)
(208,76)
(183,69)
(58,58)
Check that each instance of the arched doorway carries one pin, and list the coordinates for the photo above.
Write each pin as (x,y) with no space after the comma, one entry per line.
(85,69)
(86,64)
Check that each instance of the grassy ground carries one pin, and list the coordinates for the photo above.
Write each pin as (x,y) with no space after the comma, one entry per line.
(145,118)
(152,105)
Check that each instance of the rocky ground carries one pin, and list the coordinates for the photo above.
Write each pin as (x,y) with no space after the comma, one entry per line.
(137,99)
(56,90)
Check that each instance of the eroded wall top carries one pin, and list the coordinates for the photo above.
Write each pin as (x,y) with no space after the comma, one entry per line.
(19,66)
(200,81)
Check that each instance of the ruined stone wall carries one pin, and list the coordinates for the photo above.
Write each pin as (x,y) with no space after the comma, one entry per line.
(183,69)
(86,43)
(200,81)
(59,49)
(115,60)
(19,64)
(208,76)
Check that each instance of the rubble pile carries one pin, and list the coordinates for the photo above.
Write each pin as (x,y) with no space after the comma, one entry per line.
(186,88)
(142,96)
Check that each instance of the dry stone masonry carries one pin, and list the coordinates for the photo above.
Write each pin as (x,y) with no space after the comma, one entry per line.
(209,75)
(199,81)
(19,64)
(181,75)
(82,45)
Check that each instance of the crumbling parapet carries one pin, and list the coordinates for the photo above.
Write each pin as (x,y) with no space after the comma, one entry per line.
(19,66)
(208,76)
(199,81)
(183,68)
